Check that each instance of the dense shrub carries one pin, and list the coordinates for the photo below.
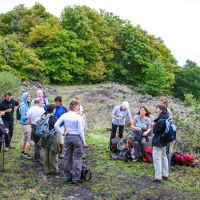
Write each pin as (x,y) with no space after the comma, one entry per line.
(9,82)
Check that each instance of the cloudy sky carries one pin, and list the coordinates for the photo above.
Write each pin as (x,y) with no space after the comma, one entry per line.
(177,22)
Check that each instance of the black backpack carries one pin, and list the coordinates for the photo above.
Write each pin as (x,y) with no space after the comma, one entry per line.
(2,130)
(18,114)
(86,173)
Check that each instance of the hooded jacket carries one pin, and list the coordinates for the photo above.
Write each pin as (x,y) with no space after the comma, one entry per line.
(24,106)
(159,129)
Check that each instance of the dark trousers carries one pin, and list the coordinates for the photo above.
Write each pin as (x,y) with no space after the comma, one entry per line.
(73,157)
(37,149)
(114,130)
(143,146)
(9,125)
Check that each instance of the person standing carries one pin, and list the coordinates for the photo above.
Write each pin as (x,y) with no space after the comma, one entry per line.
(60,110)
(41,95)
(74,143)
(164,101)
(119,115)
(23,109)
(8,105)
(33,114)
(159,147)
(50,144)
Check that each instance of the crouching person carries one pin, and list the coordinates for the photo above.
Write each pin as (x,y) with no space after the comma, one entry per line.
(74,143)
(50,144)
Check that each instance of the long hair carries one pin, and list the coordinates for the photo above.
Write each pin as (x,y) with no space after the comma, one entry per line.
(73,104)
(148,113)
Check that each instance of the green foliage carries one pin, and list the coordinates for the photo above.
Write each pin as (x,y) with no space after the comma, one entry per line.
(9,82)
(83,46)
(15,57)
(62,65)
(189,100)
(157,80)
(187,81)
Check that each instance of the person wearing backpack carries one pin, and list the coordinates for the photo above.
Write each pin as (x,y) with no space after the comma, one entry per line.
(159,146)
(60,110)
(50,144)
(165,101)
(33,114)
(74,143)
(23,109)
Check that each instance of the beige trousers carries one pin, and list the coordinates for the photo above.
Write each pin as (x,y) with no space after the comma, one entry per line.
(50,161)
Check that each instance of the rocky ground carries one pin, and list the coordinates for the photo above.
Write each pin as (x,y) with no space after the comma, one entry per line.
(112,179)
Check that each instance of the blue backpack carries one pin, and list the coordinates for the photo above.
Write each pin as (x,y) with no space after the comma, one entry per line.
(170,132)
(43,127)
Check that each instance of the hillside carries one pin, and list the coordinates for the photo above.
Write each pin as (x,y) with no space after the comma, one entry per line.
(112,179)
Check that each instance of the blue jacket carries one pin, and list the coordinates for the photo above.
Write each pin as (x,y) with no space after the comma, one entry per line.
(59,111)
(159,129)
(24,106)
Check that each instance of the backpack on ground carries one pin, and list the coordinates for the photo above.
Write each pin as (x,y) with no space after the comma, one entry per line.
(170,132)
(113,144)
(148,153)
(179,158)
(43,127)
(18,114)
(86,173)
(122,155)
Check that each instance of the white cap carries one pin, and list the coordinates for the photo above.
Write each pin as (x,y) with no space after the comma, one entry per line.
(125,104)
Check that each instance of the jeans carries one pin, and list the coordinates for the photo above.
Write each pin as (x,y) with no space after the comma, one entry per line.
(143,146)
(160,162)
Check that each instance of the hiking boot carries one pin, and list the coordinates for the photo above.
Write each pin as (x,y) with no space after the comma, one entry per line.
(144,159)
(165,178)
(77,182)
(61,155)
(22,154)
(135,159)
(7,149)
(156,180)
(11,147)
(27,156)
(68,181)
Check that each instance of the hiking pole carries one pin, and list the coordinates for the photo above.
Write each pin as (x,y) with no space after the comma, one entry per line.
(2,169)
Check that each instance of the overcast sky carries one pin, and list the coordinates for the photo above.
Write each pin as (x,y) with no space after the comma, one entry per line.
(177,22)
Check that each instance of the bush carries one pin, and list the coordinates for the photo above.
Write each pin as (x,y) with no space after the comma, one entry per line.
(9,83)
(189,100)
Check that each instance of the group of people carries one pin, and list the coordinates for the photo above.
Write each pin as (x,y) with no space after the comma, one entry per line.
(68,136)
(144,124)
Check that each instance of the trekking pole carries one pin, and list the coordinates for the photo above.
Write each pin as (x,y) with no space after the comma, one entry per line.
(2,141)
(3,153)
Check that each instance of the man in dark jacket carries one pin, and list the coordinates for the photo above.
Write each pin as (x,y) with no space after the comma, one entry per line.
(159,147)
(8,105)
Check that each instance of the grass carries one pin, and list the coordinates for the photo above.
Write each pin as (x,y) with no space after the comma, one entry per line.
(112,179)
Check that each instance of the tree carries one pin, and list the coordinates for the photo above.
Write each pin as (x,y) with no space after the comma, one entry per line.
(96,41)
(187,81)
(62,65)
(156,79)
(15,57)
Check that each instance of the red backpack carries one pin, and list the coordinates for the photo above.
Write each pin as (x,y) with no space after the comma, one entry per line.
(181,159)
(148,155)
